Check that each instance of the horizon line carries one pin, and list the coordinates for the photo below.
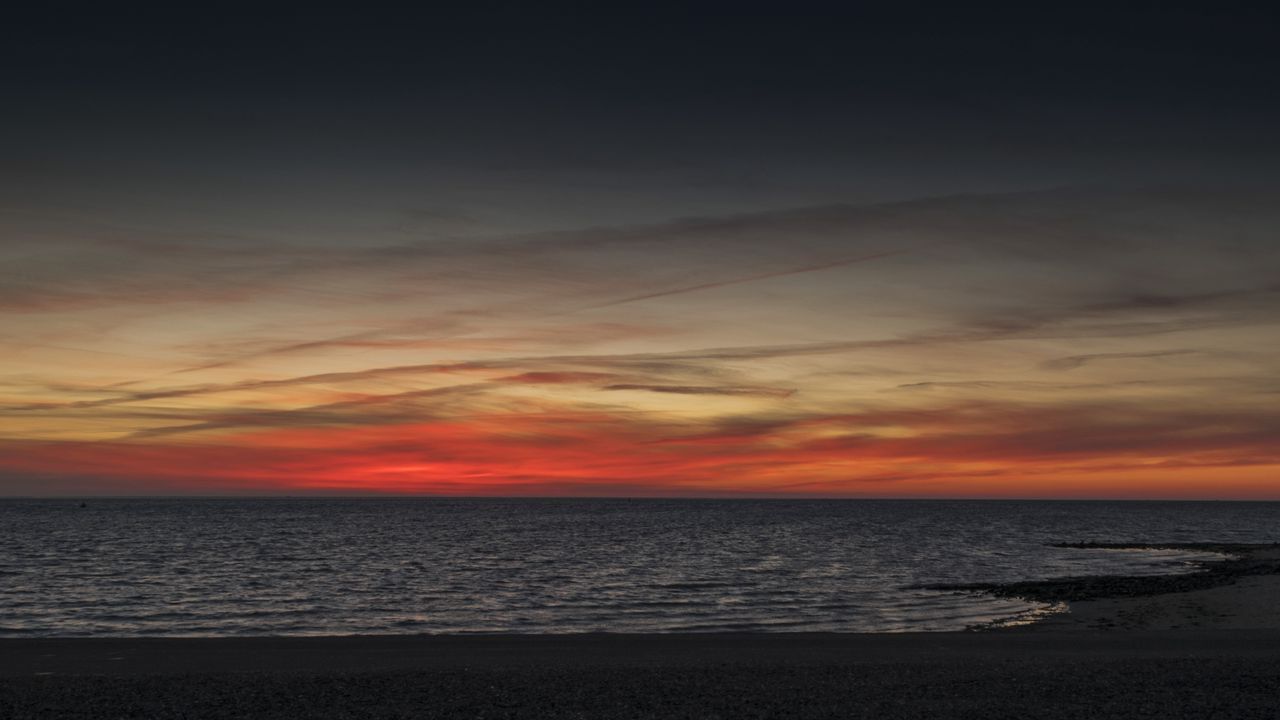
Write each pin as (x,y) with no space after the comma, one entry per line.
(967,498)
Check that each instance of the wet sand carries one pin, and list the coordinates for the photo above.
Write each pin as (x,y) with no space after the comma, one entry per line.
(1252,602)
(1211,650)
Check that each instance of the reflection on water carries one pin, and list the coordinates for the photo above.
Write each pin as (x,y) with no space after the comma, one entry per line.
(326,566)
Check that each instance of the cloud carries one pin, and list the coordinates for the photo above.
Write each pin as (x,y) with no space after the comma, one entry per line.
(344,413)
(742,280)
(1074,361)
(970,447)
(558,378)
(705,390)
(1048,325)
(1142,239)
(514,355)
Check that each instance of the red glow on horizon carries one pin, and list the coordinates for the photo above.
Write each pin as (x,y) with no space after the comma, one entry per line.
(585,454)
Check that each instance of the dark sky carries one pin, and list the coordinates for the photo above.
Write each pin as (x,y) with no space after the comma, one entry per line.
(645,111)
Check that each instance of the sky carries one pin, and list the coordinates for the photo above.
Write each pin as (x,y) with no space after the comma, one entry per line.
(710,250)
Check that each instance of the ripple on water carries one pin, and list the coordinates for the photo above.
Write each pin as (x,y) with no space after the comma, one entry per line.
(304,567)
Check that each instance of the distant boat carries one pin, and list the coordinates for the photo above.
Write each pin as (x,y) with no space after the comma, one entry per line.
(83,504)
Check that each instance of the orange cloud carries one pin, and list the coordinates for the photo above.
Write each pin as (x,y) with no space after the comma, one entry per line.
(984,450)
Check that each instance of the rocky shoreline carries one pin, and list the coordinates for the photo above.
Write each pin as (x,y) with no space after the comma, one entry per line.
(1243,560)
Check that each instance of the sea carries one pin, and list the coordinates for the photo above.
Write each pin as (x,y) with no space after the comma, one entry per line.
(283,566)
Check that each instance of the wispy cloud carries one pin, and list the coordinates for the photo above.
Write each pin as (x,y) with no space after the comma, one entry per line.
(707,390)
(1074,361)
(963,337)
(699,287)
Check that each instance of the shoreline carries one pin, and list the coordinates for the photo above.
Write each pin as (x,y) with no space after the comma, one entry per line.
(1141,654)
(1241,560)
(1235,592)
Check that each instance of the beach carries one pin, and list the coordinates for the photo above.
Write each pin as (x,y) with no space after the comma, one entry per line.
(1051,674)
(1211,651)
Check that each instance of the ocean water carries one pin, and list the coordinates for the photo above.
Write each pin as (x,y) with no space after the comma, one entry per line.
(340,566)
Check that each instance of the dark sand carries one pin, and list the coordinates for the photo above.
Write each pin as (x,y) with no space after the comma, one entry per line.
(1227,666)
(1163,674)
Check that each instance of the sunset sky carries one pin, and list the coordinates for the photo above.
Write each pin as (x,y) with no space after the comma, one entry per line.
(716,252)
